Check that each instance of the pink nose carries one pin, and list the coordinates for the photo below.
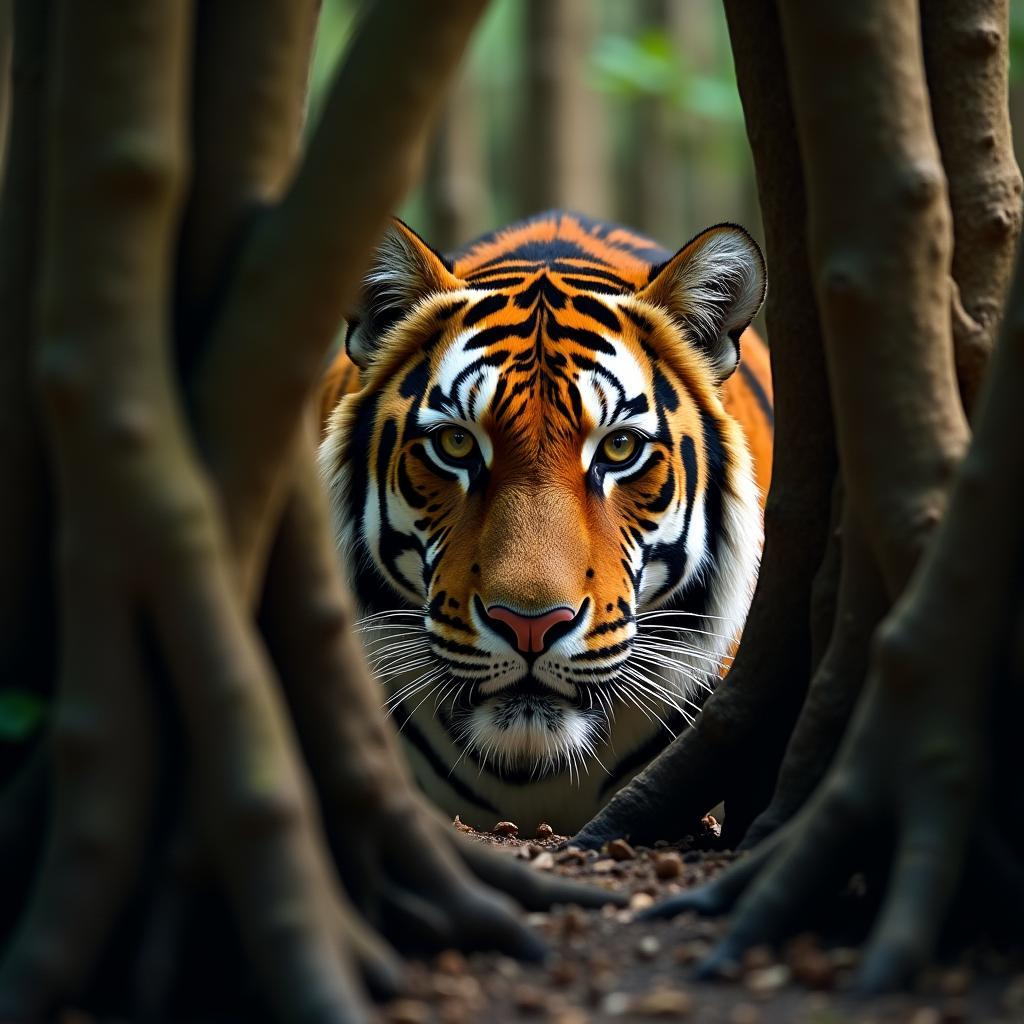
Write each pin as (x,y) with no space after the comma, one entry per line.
(530,630)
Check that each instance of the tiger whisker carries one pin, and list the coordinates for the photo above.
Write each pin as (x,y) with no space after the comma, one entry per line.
(676,663)
(667,694)
(645,694)
(647,644)
(675,666)
(664,613)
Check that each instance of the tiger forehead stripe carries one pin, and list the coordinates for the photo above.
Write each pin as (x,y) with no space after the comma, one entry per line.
(547,342)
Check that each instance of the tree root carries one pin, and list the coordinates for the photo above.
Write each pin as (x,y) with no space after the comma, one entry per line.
(834,689)
(917,752)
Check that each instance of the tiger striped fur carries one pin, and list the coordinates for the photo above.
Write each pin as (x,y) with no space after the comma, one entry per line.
(546,502)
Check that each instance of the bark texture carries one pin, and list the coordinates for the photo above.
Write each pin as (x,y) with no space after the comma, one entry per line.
(966,49)
(191,270)
(748,720)
(931,543)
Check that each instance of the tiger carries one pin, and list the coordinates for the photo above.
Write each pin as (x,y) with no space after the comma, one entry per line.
(546,484)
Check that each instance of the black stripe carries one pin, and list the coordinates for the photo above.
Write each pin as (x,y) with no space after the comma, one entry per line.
(483,308)
(443,771)
(759,394)
(598,311)
(588,271)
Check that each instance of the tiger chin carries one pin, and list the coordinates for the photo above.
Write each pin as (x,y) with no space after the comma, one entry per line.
(543,493)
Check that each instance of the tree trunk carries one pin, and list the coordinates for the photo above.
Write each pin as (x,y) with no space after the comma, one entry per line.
(561,142)
(909,705)
(748,719)
(453,187)
(192,276)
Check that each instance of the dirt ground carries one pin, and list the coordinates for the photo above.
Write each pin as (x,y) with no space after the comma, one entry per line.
(606,966)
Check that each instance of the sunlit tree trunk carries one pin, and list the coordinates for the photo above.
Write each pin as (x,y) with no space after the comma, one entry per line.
(454,183)
(561,142)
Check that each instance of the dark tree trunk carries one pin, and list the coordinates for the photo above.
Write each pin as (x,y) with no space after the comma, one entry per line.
(190,271)
(909,279)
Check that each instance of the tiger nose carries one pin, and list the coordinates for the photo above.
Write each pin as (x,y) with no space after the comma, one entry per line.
(530,630)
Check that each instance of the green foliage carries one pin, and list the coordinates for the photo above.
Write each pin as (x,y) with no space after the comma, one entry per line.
(21,714)
(1016,41)
(649,65)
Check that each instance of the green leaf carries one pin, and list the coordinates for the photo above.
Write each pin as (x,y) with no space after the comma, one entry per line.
(635,67)
(21,714)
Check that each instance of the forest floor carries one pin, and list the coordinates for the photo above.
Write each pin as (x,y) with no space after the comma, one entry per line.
(606,966)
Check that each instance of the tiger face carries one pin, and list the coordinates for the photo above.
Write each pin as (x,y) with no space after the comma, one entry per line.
(548,516)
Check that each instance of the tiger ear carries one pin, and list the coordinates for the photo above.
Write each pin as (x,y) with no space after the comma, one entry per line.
(404,270)
(713,287)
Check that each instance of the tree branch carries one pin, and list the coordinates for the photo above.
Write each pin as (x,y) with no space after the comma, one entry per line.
(301,269)
(114,176)
(248,114)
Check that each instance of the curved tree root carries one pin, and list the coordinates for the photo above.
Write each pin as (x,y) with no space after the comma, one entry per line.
(834,688)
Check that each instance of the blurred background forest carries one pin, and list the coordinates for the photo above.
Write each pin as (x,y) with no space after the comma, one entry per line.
(623,111)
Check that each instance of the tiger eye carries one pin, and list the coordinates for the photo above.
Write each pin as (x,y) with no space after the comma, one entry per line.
(456,442)
(619,447)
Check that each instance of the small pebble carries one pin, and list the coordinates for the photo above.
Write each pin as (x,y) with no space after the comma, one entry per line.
(813,969)
(844,958)
(619,849)
(690,952)
(570,855)
(766,981)
(603,867)
(509,829)
(668,865)
(408,1011)
(570,1015)
(506,967)
(544,861)
(450,961)
(663,1002)
(544,831)
(615,1004)
(640,901)
(648,947)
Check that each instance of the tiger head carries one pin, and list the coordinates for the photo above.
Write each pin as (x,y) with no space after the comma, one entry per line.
(548,517)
